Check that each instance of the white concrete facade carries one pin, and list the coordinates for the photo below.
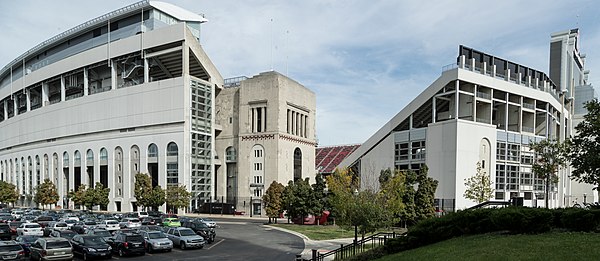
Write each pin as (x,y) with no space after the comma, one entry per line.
(481,109)
(132,95)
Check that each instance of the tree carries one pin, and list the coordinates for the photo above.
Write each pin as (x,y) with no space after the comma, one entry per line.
(425,195)
(319,194)
(142,189)
(8,192)
(177,197)
(78,196)
(549,156)
(303,202)
(584,148)
(479,187)
(156,197)
(46,193)
(99,196)
(392,192)
(273,200)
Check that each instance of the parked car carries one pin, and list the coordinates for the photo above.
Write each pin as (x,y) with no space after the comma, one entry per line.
(201,229)
(5,217)
(152,213)
(156,241)
(185,238)
(127,244)
(51,249)
(11,250)
(100,232)
(68,234)
(90,247)
(70,222)
(13,227)
(43,220)
(148,221)
(33,229)
(142,214)
(130,223)
(150,228)
(17,213)
(171,222)
(25,242)
(5,232)
(82,226)
(109,224)
(54,225)
(209,222)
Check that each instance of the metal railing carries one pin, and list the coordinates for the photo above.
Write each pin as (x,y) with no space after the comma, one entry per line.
(361,245)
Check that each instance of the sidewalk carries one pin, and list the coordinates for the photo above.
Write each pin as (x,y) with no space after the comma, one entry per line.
(322,246)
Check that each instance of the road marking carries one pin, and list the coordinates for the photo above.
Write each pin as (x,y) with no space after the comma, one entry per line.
(214,244)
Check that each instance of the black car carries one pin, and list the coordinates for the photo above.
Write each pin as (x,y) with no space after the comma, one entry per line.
(148,221)
(25,242)
(5,232)
(201,229)
(91,247)
(127,244)
(82,226)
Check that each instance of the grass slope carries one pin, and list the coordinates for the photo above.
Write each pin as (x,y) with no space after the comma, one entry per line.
(549,246)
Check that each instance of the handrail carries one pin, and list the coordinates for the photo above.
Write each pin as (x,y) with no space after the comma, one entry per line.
(349,250)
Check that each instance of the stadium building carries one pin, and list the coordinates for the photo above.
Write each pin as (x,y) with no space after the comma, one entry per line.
(484,109)
(132,92)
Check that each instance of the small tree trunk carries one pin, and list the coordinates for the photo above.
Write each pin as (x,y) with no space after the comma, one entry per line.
(547,189)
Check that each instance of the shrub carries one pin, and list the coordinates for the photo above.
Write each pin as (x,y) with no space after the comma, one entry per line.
(577,219)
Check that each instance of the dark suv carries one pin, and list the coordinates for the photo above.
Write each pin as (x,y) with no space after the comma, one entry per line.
(127,244)
(11,250)
(201,229)
(5,232)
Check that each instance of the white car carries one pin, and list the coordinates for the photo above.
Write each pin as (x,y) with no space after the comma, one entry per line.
(130,223)
(209,222)
(142,214)
(30,229)
(70,222)
(17,213)
(110,225)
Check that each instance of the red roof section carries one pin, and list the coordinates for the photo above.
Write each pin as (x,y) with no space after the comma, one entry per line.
(328,158)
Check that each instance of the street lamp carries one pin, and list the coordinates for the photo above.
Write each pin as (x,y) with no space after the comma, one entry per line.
(355,225)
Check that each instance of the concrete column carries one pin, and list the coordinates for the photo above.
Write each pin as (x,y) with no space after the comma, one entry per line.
(507,77)
(15,107)
(45,92)
(301,125)
(484,68)
(186,59)
(113,75)
(254,120)
(146,71)
(63,92)
(472,64)
(293,125)
(461,62)
(456,100)
(28,98)
(493,70)
(86,87)
(507,112)
(289,117)
(5,108)
(297,124)
(519,78)
(433,114)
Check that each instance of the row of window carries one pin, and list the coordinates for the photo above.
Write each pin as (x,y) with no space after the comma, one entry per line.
(415,150)
(297,123)
(258,119)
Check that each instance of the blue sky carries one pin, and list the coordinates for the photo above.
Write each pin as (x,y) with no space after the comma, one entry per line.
(365,60)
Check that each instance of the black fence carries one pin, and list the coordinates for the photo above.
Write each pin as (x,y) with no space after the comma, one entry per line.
(360,246)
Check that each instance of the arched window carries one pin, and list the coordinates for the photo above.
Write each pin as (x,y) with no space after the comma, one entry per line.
(89,158)
(103,154)
(65,160)
(135,161)
(230,154)
(152,151)
(38,176)
(46,167)
(118,169)
(172,164)
(297,164)
(258,168)
(172,149)
(77,158)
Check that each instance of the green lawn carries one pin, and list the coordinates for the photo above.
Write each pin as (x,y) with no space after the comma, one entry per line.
(319,232)
(550,246)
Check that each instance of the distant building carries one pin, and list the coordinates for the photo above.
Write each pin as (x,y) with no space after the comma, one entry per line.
(484,109)
(268,134)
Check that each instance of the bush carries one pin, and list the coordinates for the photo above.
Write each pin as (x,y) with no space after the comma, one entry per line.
(577,219)
(520,220)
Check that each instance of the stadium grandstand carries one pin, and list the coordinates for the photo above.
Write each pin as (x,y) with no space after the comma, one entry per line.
(328,158)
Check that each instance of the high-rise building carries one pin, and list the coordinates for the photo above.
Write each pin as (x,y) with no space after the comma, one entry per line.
(483,109)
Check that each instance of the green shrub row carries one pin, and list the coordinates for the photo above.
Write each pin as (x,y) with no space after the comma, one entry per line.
(512,220)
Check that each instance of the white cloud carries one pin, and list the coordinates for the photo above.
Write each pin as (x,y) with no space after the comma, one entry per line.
(365,60)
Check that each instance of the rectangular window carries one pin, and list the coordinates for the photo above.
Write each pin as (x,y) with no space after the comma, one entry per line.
(500,195)
(528,195)
(501,151)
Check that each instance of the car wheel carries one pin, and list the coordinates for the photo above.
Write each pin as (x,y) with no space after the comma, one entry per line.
(121,253)
(150,249)
(183,246)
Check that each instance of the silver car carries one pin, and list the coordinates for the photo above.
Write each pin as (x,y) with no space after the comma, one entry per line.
(156,241)
(53,248)
(185,237)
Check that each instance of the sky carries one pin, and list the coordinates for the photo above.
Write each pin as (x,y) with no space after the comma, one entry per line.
(365,60)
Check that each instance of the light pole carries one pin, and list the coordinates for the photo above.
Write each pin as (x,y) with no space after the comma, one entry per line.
(584,198)
(355,225)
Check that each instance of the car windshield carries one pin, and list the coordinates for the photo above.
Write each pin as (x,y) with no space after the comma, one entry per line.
(156,235)
(112,222)
(61,224)
(90,241)
(70,221)
(58,244)
(201,224)
(134,220)
(186,232)
(90,223)
(102,233)
(32,226)
(7,248)
(173,220)
(143,213)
